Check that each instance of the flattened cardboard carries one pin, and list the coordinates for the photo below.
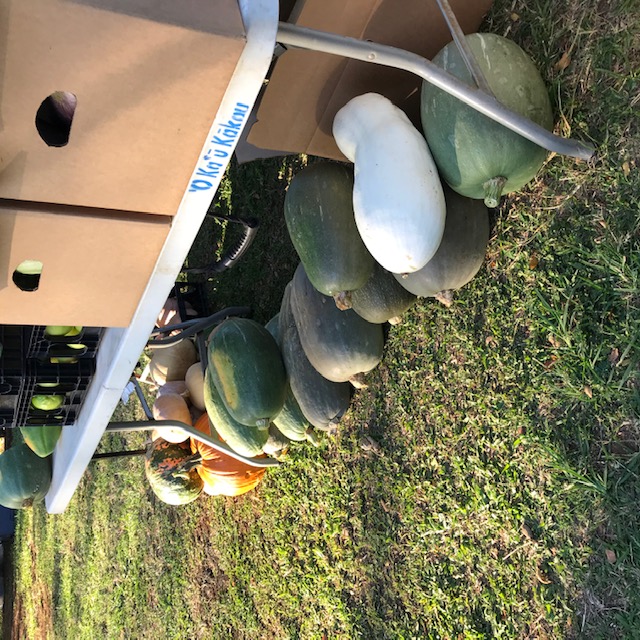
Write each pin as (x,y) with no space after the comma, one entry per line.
(96,264)
(307,88)
(149,78)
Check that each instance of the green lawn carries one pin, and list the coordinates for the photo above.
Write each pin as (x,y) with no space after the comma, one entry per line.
(500,497)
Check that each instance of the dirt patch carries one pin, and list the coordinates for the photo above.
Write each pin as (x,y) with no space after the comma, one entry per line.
(15,623)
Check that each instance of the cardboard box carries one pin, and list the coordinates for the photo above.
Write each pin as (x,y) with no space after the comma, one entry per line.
(307,88)
(96,264)
(148,78)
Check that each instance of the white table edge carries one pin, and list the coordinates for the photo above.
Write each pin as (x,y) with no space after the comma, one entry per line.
(121,347)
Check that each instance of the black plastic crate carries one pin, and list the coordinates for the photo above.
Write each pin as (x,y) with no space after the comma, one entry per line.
(70,381)
(14,340)
(12,371)
(47,348)
(10,393)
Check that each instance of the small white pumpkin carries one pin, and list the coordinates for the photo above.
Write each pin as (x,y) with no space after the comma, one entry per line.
(171,406)
(398,199)
(194,381)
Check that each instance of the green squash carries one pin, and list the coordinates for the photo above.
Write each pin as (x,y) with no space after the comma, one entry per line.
(170,470)
(318,210)
(273,327)
(277,443)
(478,157)
(42,440)
(322,402)
(291,421)
(382,298)
(246,368)
(243,439)
(461,252)
(339,344)
(25,477)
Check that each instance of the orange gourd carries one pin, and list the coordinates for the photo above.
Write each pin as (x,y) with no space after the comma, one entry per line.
(222,474)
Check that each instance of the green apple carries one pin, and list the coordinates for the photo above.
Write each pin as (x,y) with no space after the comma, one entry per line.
(73,332)
(77,346)
(63,360)
(46,402)
(30,267)
(55,330)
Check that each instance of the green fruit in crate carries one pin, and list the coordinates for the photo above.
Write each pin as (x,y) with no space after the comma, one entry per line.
(318,210)
(243,439)
(41,440)
(63,360)
(74,345)
(75,331)
(246,367)
(339,344)
(477,156)
(25,477)
(168,469)
(47,402)
(55,330)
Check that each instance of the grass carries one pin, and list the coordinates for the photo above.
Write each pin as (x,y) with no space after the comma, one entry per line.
(501,500)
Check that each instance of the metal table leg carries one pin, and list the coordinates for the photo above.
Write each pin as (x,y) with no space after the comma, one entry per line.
(293,35)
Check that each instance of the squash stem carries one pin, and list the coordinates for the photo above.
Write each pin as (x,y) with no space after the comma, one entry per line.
(188,465)
(445,297)
(263,424)
(359,381)
(343,300)
(493,190)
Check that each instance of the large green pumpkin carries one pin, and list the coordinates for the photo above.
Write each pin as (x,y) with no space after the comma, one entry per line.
(477,156)
(318,210)
(339,344)
(168,469)
(246,368)
(322,402)
(25,477)
(42,440)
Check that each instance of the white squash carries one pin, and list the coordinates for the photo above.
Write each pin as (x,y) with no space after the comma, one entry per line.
(398,200)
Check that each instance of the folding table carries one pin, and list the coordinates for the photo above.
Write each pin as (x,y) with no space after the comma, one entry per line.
(121,348)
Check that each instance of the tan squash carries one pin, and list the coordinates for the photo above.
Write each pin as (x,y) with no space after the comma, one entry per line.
(171,406)
(171,363)
(194,382)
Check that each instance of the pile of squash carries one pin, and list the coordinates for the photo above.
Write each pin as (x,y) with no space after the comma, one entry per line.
(405,219)
(180,468)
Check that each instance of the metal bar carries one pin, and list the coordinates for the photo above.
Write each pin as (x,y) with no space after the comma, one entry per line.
(143,400)
(464,49)
(145,425)
(118,454)
(293,35)
(191,327)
